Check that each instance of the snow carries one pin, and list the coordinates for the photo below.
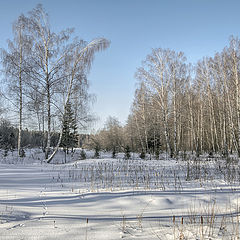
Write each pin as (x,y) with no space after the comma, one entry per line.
(117,198)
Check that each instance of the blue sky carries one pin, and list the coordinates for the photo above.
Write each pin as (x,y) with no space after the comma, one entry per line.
(196,27)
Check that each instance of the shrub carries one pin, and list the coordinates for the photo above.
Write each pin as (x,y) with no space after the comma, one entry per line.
(82,155)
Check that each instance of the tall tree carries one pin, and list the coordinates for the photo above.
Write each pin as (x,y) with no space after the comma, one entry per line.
(56,60)
(14,66)
(165,73)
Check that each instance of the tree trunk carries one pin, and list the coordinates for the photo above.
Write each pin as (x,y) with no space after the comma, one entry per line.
(48,122)
(20,95)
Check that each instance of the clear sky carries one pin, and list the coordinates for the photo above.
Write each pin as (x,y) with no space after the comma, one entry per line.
(196,27)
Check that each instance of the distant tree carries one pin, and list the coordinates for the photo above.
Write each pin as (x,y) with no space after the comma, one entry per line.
(83,155)
(142,155)
(111,136)
(127,152)
(114,152)
(97,151)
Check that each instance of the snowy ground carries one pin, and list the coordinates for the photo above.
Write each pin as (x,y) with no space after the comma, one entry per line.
(116,198)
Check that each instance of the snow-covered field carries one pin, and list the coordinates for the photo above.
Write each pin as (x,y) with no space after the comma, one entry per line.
(117,198)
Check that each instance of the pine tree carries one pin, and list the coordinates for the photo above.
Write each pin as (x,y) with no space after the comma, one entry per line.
(83,155)
(97,151)
(142,155)
(127,152)
(114,152)
(70,135)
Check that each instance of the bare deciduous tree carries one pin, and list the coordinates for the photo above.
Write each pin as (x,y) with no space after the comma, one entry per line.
(14,62)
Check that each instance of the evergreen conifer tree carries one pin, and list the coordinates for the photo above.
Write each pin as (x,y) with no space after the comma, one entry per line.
(97,151)
(70,135)
(127,152)
(83,155)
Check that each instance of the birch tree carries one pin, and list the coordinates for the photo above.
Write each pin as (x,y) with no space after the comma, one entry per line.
(14,66)
(57,60)
(164,73)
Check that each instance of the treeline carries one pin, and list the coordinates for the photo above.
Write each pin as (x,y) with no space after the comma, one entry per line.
(37,139)
(30,138)
(179,107)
